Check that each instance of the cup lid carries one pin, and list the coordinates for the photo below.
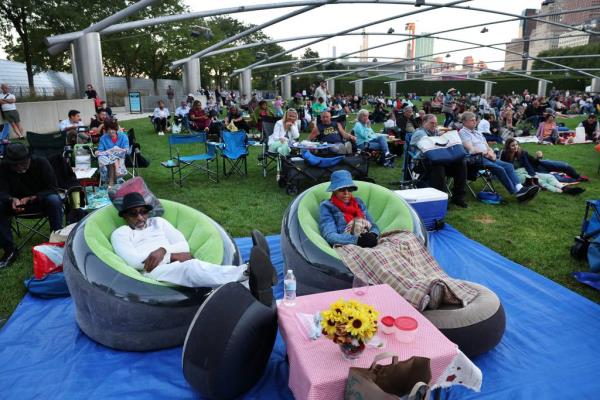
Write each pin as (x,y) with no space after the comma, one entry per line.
(406,323)
(387,320)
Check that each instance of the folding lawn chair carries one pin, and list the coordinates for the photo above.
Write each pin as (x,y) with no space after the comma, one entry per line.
(268,160)
(476,171)
(45,145)
(134,159)
(197,157)
(234,152)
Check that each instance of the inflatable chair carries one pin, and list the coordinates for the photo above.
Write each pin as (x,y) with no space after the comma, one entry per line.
(476,328)
(317,266)
(119,307)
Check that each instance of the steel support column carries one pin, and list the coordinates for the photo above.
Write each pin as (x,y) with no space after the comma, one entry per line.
(596,86)
(331,87)
(392,89)
(88,62)
(542,88)
(246,82)
(358,88)
(487,89)
(191,76)
(286,87)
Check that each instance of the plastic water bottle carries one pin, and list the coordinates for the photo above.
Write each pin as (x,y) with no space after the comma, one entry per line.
(289,289)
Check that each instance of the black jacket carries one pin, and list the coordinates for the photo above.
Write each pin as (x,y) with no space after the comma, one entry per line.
(39,180)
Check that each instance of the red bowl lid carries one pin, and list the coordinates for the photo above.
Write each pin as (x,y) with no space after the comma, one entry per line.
(406,323)
(388,321)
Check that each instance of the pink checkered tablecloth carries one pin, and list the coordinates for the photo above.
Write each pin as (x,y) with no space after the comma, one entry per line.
(317,369)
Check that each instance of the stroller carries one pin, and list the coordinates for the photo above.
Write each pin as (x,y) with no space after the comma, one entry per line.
(311,169)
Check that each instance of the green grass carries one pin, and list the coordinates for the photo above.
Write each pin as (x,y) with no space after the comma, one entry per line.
(537,235)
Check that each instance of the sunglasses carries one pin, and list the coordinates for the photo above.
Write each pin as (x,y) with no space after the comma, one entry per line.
(349,190)
(135,213)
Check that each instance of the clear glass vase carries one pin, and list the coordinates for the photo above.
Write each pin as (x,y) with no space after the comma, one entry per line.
(352,349)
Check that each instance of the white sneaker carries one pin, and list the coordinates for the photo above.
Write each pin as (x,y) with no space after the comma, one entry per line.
(161,133)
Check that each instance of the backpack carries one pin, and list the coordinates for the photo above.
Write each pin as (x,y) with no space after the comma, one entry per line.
(53,285)
(489,198)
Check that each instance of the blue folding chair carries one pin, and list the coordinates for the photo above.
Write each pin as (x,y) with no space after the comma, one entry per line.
(234,152)
(193,159)
(4,137)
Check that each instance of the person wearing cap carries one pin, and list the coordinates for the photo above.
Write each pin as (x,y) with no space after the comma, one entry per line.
(156,248)
(27,184)
(342,208)
(448,106)
(548,131)
(475,143)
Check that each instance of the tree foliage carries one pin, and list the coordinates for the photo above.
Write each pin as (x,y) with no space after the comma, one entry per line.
(576,62)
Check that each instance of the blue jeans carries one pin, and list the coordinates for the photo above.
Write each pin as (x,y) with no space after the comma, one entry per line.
(449,119)
(378,143)
(547,166)
(505,172)
(51,205)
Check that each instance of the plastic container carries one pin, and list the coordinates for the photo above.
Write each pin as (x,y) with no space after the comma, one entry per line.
(406,329)
(289,289)
(431,205)
(387,325)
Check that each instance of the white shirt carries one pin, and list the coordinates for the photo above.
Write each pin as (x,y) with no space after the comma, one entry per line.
(484,126)
(389,124)
(279,132)
(10,106)
(158,113)
(67,123)
(135,245)
(182,111)
(320,92)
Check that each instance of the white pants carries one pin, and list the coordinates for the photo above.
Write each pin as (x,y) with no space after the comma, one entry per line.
(196,273)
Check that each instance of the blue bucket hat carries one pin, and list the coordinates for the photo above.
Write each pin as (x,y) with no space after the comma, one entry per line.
(341,179)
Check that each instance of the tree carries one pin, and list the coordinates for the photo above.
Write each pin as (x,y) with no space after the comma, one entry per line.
(308,54)
(576,62)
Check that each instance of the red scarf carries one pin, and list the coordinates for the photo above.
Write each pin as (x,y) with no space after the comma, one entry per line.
(351,210)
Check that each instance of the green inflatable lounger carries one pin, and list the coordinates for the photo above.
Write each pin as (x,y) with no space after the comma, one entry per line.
(119,307)
(317,266)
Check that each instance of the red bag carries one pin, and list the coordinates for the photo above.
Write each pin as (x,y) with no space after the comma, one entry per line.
(47,258)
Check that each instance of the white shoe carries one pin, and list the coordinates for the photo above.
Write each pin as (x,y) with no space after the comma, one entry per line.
(161,133)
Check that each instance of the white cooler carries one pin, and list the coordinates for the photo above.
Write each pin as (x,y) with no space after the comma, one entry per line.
(431,205)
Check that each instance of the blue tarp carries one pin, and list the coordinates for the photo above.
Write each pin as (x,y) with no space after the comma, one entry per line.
(550,349)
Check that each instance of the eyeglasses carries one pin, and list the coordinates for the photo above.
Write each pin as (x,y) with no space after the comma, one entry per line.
(349,190)
(136,213)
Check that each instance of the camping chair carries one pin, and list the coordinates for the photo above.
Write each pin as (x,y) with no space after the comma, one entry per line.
(72,194)
(268,160)
(193,158)
(234,152)
(411,165)
(477,172)
(46,145)
(4,138)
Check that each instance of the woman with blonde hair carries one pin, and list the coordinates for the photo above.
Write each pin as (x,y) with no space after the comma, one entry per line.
(285,132)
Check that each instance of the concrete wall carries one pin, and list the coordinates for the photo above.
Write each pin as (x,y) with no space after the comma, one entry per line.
(44,116)
(149,103)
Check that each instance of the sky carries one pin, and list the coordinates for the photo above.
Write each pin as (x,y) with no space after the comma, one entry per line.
(335,18)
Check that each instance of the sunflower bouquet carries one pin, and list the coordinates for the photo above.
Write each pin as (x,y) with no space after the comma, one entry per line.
(349,324)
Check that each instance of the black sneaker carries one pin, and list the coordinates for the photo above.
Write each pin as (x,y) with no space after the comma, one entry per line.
(527,193)
(8,258)
(460,203)
(260,272)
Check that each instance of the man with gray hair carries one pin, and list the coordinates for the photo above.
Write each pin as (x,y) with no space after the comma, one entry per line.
(475,144)
(436,173)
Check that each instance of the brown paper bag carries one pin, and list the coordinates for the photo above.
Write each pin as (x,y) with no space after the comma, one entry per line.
(389,382)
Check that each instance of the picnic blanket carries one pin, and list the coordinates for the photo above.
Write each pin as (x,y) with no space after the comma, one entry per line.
(401,261)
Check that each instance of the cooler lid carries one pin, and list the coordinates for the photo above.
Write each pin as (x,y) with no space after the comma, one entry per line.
(422,195)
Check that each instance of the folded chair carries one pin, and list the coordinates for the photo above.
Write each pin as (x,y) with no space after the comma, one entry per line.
(191,153)
(234,153)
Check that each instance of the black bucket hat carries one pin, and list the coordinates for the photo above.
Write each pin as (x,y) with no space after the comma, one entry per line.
(16,153)
(133,200)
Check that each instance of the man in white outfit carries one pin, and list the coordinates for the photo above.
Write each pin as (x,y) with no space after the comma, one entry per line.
(154,246)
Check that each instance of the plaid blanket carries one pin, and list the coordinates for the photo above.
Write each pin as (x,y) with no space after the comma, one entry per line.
(401,261)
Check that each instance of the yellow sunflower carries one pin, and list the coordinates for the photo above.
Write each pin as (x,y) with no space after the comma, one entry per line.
(328,323)
(338,311)
(360,325)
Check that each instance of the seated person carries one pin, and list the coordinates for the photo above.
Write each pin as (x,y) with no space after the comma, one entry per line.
(105,107)
(523,163)
(284,133)
(244,102)
(97,124)
(333,133)
(547,130)
(155,247)
(235,116)
(379,113)
(159,118)
(592,128)
(436,173)
(182,112)
(366,139)
(345,222)
(71,126)
(27,184)
(260,112)
(475,144)
(112,149)
(406,122)
(390,126)
(199,121)
(318,107)
(484,127)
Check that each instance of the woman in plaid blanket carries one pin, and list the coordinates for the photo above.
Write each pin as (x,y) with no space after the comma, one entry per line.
(397,258)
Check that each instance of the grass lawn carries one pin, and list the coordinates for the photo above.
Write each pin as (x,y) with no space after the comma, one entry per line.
(537,235)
